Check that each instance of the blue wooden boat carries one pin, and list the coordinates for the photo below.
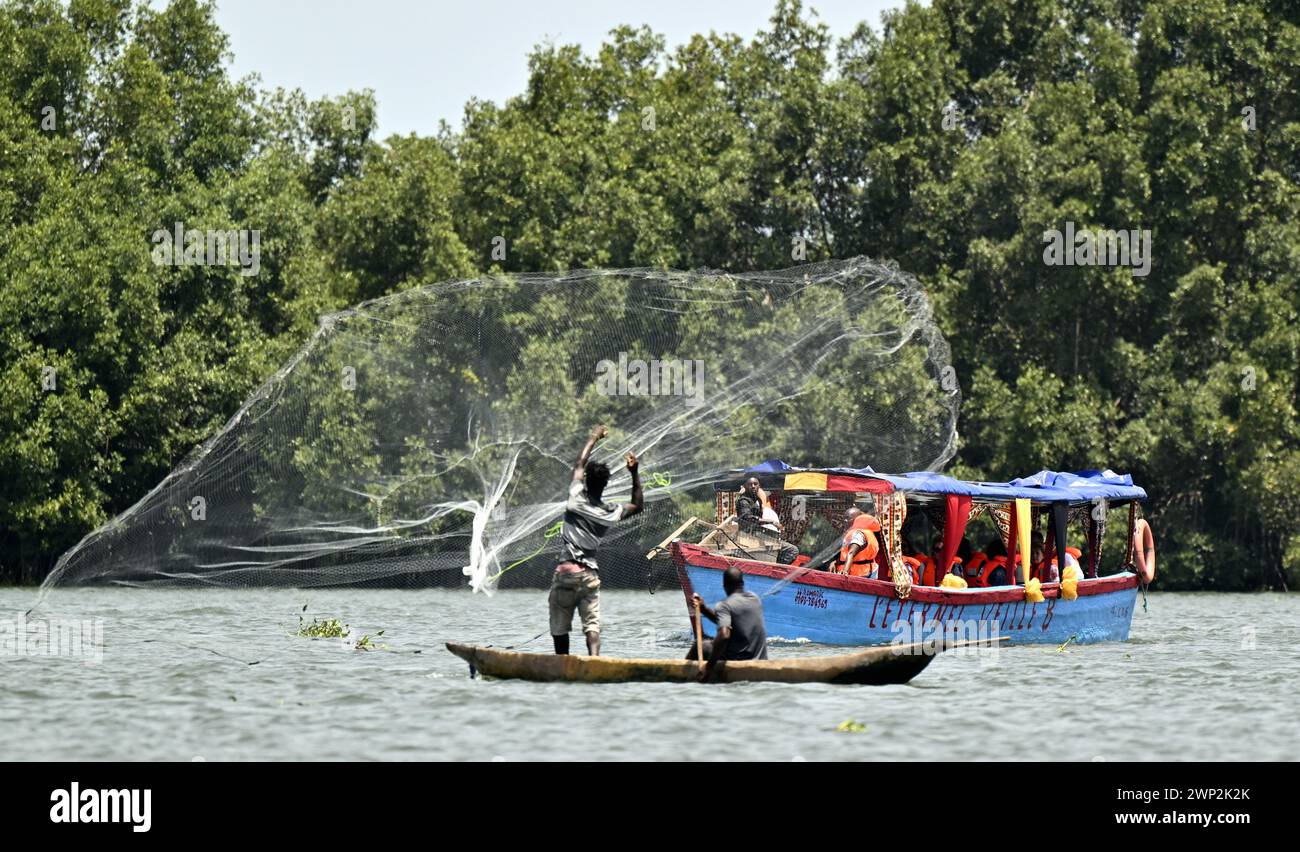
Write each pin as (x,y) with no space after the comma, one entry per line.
(826,607)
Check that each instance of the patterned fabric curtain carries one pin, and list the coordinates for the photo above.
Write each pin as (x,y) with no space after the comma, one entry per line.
(900,573)
(1094,528)
(1001,519)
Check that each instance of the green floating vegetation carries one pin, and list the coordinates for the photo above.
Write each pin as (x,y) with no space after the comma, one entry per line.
(365,644)
(850,726)
(330,628)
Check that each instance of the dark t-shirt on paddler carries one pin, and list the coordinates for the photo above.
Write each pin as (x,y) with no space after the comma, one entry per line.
(742,611)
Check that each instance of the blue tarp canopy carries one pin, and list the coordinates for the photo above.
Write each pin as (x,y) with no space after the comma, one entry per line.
(1086,484)
(928,482)
(1046,486)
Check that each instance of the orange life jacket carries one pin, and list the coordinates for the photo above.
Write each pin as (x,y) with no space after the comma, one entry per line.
(929,572)
(981,568)
(1047,568)
(866,555)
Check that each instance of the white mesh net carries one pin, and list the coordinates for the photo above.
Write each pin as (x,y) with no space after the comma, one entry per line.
(427,437)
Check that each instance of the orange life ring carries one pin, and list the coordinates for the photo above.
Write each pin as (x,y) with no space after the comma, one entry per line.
(1144,546)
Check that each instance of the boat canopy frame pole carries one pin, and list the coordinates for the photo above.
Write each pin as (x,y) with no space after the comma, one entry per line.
(672,536)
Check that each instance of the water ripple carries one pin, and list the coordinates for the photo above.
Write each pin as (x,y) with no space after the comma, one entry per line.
(1216,672)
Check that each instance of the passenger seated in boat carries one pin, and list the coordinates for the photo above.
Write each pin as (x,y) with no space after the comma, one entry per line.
(1073,570)
(929,574)
(988,568)
(858,547)
(1044,570)
(742,633)
(911,559)
(750,506)
(1072,555)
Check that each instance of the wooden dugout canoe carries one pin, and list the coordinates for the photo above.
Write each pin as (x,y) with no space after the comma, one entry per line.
(875,666)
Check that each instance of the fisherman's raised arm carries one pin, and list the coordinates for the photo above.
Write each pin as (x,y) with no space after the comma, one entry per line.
(579,469)
(638,500)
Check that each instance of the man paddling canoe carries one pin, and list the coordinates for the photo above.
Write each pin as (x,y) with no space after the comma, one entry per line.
(576,583)
(742,634)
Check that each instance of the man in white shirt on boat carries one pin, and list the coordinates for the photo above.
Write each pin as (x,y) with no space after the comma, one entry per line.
(757,518)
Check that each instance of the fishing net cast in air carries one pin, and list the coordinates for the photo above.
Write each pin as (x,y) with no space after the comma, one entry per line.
(427,437)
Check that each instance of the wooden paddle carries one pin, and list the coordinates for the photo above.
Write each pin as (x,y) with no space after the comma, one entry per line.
(699,636)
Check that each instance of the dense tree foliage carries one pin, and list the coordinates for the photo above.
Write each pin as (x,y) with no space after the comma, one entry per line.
(950,142)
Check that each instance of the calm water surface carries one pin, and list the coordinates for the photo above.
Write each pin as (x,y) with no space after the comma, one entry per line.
(1204,677)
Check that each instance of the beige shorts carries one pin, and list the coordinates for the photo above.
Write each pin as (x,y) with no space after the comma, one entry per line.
(580,590)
